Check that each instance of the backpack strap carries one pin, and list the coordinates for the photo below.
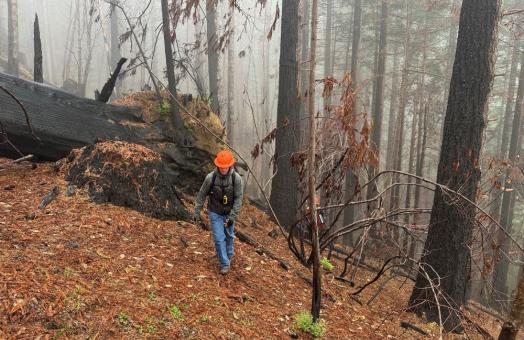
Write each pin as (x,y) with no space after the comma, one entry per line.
(212,183)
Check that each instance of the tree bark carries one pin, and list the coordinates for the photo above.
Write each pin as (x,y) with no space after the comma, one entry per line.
(38,68)
(327,48)
(378,106)
(418,108)
(115,48)
(212,55)
(304,74)
(446,254)
(391,117)
(12,37)
(378,99)
(178,123)
(421,151)
(231,78)
(399,125)
(317,288)
(351,178)
(107,90)
(285,184)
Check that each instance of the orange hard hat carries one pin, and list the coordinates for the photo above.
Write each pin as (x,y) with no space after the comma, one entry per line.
(224,159)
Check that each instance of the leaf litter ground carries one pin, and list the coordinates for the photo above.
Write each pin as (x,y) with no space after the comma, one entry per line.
(83,270)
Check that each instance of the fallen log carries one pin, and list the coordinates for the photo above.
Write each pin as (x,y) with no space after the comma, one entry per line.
(63,122)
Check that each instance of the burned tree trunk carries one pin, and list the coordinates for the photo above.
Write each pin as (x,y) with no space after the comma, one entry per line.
(283,200)
(317,279)
(107,90)
(212,55)
(174,110)
(38,69)
(446,254)
(378,99)
(351,178)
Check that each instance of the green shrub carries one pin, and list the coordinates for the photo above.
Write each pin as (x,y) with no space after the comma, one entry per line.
(326,264)
(304,322)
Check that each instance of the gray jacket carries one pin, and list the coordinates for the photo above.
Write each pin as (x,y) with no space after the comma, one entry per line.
(221,183)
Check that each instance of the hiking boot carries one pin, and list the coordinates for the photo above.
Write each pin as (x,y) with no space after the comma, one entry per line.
(224,270)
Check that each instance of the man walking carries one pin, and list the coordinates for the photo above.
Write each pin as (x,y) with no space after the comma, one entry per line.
(223,186)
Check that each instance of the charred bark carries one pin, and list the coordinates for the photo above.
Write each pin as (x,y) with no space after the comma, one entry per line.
(446,255)
(284,193)
(38,69)
(107,90)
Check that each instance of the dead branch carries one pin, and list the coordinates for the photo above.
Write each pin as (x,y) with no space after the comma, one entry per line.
(19,160)
(49,197)
(442,187)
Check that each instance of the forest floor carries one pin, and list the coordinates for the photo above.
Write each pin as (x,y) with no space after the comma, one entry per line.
(77,269)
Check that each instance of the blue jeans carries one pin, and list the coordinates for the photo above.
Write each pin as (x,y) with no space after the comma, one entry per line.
(223,238)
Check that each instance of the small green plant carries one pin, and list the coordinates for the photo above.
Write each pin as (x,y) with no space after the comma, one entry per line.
(175,312)
(246,322)
(204,318)
(151,296)
(150,325)
(326,264)
(163,108)
(123,319)
(194,297)
(304,322)
(73,300)
(68,272)
(139,329)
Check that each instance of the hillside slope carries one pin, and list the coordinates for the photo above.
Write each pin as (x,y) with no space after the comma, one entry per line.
(82,270)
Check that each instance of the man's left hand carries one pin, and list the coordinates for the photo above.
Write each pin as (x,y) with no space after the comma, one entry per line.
(228,222)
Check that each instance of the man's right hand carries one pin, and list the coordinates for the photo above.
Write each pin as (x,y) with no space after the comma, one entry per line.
(197,219)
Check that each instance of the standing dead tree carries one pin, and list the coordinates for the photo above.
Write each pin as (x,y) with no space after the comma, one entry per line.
(317,290)
(107,90)
(38,69)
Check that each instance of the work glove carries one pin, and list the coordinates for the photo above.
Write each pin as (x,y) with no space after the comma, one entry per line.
(228,222)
